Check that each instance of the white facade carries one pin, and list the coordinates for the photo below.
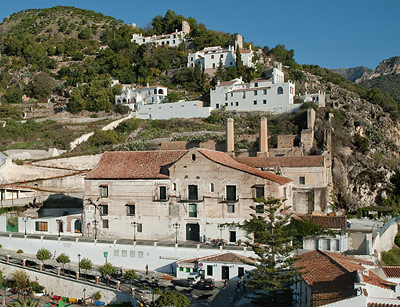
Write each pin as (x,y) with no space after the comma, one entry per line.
(210,57)
(136,97)
(338,243)
(186,109)
(265,94)
(317,98)
(169,40)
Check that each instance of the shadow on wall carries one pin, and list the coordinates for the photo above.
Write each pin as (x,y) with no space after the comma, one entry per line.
(60,205)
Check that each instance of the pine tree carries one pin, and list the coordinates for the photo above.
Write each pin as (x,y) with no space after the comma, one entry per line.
(271,279)
(239,62)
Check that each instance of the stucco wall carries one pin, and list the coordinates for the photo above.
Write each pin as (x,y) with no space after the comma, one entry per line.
(73,163)
(187,109)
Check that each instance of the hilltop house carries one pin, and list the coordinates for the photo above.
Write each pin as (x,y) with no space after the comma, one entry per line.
(270,94)
(168,40)
(134,97)
(210,57)
(203,191)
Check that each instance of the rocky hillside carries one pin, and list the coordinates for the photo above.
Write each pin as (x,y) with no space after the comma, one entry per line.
(389,66)
(366,142)
(353,73)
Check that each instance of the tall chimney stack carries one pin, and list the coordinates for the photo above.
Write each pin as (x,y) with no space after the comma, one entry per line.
(230,136)
(263,136)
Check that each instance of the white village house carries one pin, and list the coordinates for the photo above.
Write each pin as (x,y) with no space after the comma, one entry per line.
(134,97)
(270,94)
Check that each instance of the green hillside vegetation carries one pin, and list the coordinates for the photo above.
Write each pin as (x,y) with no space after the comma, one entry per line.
(387,83)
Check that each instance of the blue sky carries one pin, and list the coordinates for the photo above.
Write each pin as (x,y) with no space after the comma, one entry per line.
(333,34)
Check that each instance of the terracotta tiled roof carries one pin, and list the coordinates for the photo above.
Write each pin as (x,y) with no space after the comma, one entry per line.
(245,51)
(306,161)
(228,82)
(224,258)
(224,159)
(134,164)
(392,271)
(332,276)
(330,222)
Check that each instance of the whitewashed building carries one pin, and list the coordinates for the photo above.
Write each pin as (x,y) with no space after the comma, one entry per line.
(270,94)
(211,57)
(222,266)
(318,98)
(184,109)
(167,40)
(134,97)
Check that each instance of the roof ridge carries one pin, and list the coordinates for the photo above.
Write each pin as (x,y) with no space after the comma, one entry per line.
(334,260)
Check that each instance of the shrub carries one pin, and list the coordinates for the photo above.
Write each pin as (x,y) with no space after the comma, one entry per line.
(121,109)
(391,257)
(36,287)
(20,251)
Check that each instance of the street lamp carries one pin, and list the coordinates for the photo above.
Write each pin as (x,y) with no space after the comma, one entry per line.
(95,229)
(59,227)
(221,227)
(79,265)
(25,219)
(176,226)
(134,224)
(84,296)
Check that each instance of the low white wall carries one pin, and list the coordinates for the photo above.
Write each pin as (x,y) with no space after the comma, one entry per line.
(186,109)
(67,287)
(385,242)
(128,256)
(80,163)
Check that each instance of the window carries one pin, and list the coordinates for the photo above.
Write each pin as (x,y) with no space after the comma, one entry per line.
(226,104)
(132,254)
(187,270)
(231,94)
(163,193)
(221,56)
(124,253)
(232,236)
(193,193)
(255,93)
(212,187)
(140,254)
(237,103)
(116,252)
(212,56)
(230,192)
(105,223)
(104,209)
(139,227)
(213,65)
(265,92)
(174,186)
(231,208)
(209,270)
(226,96)
(259,192)
(240,272)
(41,226)
(231,104)
(217,105)
(302,180)
(231,63)
(280,90)
(244,95)
(180,269)
(255,102)
(260,209)
(192,210)
(131,209)
(264,101)
(256,84)
(104,191)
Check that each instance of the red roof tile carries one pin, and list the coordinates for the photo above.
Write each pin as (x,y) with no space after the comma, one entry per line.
(330,222)
(306,161)
(392,271)
(135,164)
(224,159)
(332,276)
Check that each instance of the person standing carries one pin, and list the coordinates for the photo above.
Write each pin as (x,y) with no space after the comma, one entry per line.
(147,269)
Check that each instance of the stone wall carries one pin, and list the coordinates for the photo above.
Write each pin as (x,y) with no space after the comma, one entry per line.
(80,163)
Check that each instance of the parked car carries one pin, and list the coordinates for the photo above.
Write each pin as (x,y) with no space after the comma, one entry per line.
(193,279)
(207,284)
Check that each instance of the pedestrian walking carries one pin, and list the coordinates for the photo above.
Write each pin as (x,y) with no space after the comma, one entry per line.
(147,269)
(225,284)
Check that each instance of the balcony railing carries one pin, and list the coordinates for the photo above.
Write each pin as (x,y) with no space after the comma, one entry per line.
(157,198)
(186,199)
(228,200)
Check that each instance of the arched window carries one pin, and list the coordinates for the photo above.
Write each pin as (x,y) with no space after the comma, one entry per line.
(160,91)
(280,90)
(124,100)
(78,226)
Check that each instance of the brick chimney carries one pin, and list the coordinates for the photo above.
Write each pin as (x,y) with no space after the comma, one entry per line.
(230,135)
(263,136)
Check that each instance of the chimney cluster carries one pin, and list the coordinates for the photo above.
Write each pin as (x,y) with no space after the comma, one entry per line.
(263,136)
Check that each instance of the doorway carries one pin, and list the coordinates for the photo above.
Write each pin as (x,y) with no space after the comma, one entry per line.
(232,236)
(193,232)
(225,272)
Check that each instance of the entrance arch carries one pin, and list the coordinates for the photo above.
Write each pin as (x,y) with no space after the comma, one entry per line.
(193,232)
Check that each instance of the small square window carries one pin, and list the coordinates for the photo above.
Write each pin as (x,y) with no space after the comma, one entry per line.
(124,253)
(105,223)
(217,106)
(255,93)
(132,254)
(140,254)
(180,269)
(302,180)
(265,92)
(237,103)
(231,208)
(103,209)
(104,191)
(259,192)
(264,101)
(116,252)
(131,209)
(255,102)
(256,85)
(212,56)
(260,209)
(139,227)
(226,104)
(187,270)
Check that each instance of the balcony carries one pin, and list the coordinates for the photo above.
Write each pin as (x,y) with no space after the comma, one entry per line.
(157,198)
(186,199)
(228,200)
